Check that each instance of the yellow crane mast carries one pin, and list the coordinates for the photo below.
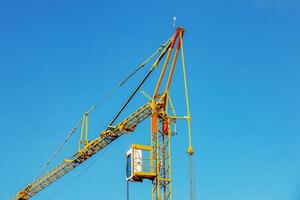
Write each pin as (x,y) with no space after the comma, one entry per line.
(143,162)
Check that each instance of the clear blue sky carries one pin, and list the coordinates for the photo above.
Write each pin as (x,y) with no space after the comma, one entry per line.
(57,58)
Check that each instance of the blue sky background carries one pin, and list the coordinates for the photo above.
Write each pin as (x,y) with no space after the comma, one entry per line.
(57,58)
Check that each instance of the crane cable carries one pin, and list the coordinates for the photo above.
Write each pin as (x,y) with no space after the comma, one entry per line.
(188,117)
(120,84)
(127,190)
(127,143)
(59,148)
(155,64)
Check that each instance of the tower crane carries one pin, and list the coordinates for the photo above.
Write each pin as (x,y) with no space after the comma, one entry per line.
(151,162)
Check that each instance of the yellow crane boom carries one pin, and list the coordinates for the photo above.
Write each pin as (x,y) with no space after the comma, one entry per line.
(162,124)
(107,136)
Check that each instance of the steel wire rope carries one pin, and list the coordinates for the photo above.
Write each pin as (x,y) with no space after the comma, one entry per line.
(192,177)
(127,143)
(153,67)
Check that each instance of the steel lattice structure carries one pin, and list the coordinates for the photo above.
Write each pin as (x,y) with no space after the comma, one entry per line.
(161,130)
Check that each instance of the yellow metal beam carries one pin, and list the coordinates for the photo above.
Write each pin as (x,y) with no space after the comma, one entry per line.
(190,147)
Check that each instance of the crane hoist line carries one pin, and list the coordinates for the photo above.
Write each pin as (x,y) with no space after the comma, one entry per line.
(144,162)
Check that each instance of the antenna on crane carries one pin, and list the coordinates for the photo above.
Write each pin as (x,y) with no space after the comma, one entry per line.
(174,21)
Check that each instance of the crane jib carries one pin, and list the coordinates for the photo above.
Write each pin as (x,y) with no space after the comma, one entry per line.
(106,137)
